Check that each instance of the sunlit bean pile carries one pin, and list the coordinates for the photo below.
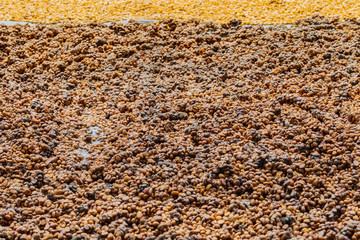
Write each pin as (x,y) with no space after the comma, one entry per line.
(180,131)
(250,12)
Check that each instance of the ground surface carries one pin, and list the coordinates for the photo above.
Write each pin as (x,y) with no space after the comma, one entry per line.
(180,130)
(250,12)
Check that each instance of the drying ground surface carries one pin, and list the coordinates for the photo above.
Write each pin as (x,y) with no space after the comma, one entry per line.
(250,12)
(180,131)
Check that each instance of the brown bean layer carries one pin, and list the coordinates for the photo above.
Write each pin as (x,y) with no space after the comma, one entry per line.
(180,130)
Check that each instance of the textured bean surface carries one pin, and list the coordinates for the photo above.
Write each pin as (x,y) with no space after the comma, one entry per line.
(180,131)
(250,12)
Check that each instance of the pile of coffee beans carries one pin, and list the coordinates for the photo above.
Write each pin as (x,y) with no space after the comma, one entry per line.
(180,130)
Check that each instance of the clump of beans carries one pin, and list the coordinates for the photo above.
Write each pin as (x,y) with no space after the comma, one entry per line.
(180,130)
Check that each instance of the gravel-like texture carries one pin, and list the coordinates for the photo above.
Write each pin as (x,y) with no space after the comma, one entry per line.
(180,131)
(250,12)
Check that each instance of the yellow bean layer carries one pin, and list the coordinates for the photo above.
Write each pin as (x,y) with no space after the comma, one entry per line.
(250,12)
